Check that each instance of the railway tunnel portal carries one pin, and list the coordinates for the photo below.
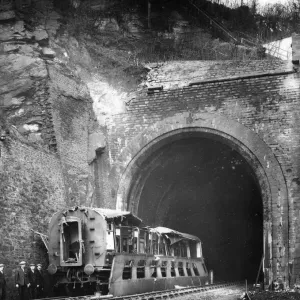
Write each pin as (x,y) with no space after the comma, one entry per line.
(211,176)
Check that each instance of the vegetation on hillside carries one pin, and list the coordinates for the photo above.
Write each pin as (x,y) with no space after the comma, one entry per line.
(120,42)
(260,22)
(173,35)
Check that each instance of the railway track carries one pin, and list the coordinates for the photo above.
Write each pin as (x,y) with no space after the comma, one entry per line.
(166,294)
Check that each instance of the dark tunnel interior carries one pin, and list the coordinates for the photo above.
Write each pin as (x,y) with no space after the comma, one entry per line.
(204,187)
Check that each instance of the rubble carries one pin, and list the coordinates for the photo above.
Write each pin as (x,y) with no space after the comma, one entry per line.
(48,52)
(273,295)
(7,15)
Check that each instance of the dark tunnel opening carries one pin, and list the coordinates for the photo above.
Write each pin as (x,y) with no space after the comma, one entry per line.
(206,188)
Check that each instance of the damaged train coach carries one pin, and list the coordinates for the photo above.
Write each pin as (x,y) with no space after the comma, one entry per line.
(110,252)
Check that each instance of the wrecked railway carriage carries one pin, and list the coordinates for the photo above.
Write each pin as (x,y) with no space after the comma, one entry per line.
(93,249)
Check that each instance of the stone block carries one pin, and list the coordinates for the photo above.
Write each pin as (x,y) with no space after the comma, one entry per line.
(107,25)
(7,15)
(40,35)
(26,49)
(67,85)
(7,47)
(48,52)
(35,137)
(19,26)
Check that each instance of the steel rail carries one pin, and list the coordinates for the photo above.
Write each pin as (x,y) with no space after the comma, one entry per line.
(165,294)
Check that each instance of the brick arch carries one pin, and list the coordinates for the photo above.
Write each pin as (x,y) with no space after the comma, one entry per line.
(257,153)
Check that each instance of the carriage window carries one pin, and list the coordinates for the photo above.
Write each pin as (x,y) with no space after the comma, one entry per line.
(142,241)
(141,269)
(109,226)
(127,270)
(180,249)
(195,269)
(153,268)
(70,241)
(110,242)
(193,249)
(204,267)
(188,249)
(135,240)
(172,252)
(164,269)
(154,244)
(183,250)
(118,240)
(124,245)
(173,274)
(176,249)
(188,269)
(127,239)
(162,248)
(155,248)
(167,248)
(180,268)
(199,249)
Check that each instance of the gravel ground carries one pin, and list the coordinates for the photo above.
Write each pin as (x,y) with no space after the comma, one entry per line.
(235,293)
(228,293)
(274,295)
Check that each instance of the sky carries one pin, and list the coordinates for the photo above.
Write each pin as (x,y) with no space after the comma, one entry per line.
(261,2)
(264,2)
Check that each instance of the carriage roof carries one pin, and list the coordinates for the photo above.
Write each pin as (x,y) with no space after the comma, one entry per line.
(174,235)
(104,212)
(112,214)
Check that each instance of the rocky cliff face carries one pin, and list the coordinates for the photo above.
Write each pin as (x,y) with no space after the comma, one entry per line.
(46,118)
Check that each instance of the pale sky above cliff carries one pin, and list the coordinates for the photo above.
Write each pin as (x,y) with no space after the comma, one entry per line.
(261,2)
(264,2)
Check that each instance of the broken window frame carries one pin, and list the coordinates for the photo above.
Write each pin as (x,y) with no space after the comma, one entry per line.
(143,241)
(110,237)
(127,270)
(63,262)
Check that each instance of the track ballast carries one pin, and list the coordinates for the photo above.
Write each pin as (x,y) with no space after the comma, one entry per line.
(166,294)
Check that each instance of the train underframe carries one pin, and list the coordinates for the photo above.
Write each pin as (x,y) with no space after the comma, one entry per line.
(132,274)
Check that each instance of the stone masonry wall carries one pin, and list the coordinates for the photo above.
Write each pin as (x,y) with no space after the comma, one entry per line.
(31,190)
(45,113)
(266,102)
(71,120)
(72,117)
(44,98)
